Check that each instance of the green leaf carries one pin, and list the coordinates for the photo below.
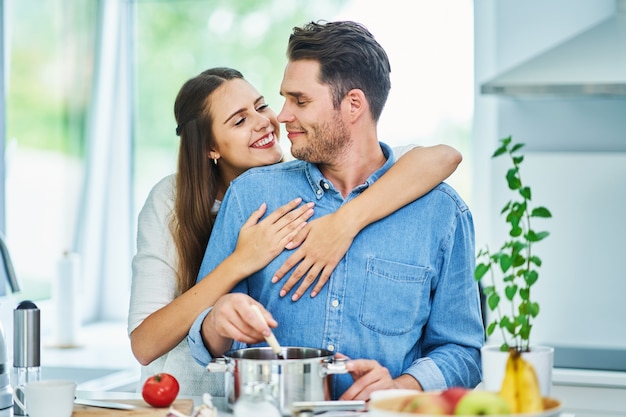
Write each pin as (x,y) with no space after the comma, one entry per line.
(481,270)
(531,277)
(525,192)
(531,236)
(505,262)
(513,179)
(519,261)
(508,325)
(533,309)
(489,289)
(518,246)
(525,331)
(524,294)
(500,151)
(510,291)
(513,218)
(517,146)
(493,300)
(491,328)
(518,159)
(535,260)
(515,231)
(541,212)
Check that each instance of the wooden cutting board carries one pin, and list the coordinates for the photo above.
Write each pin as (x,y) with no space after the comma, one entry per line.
(184,405)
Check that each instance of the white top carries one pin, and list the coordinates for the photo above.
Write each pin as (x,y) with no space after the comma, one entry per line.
(154,286)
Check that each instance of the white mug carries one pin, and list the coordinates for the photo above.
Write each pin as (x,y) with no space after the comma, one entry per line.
(48,398)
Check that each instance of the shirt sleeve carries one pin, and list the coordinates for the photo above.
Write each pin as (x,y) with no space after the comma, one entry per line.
(221,244)
(198,351)
(155,263)
(399,151)
(453,337)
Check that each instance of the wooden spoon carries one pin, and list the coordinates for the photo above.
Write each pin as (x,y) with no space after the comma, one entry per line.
(271,339)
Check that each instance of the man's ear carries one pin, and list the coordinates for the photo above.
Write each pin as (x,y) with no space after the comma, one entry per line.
(356,103)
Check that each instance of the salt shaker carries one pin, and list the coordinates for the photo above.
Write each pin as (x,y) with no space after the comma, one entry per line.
(26,348)
(256,400)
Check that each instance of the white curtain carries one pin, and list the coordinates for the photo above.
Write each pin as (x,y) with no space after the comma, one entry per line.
(104,236)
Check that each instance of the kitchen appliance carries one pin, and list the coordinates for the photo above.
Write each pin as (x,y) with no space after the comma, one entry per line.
(26,348)
(303,375)
(591,63)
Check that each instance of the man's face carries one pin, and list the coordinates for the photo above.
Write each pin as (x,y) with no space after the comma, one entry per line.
(316,130)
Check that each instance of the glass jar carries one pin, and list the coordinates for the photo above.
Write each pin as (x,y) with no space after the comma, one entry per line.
(256,400)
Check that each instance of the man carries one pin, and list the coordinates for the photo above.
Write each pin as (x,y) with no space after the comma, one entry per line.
(403,298)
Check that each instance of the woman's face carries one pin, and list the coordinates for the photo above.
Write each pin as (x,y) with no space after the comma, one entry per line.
(245,129)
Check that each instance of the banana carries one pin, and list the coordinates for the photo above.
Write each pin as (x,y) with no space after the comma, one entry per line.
(508,390)
(520,387)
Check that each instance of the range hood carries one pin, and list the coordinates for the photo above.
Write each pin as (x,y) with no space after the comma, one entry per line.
(592,63)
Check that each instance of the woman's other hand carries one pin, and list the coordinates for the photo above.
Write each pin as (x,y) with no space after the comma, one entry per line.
(323,242)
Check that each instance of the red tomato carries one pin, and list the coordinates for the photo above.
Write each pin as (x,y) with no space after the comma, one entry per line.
(160,390)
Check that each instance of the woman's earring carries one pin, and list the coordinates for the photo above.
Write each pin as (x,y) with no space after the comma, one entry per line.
(215,161)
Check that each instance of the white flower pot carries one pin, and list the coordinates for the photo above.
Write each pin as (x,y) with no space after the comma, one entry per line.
(494,364)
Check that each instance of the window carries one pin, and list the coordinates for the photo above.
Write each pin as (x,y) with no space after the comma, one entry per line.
(65,68)
(49,68)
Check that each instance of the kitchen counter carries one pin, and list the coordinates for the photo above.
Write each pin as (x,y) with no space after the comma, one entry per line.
(584,393)
(588,393)
(224,412)
(219,402)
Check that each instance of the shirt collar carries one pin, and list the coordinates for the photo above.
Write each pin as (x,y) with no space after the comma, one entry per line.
(319,184)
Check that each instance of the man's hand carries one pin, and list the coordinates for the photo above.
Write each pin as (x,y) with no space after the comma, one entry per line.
(232,318)
(370,376)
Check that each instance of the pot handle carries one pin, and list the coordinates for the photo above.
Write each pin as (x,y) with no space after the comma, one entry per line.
(334,366)
(217,365)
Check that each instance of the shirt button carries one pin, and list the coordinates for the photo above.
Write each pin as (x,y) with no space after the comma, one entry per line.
(325,185)
(335,303)
(330,347)
(319,192)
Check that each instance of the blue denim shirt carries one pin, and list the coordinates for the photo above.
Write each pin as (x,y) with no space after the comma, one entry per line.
(404,294)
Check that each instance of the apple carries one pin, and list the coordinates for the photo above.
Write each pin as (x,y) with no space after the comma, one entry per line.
(452,396)
(426,403)
(482,403)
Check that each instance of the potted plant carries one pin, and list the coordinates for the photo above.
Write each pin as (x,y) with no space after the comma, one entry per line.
(509,299)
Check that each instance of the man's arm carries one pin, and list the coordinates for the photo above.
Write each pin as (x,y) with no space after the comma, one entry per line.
(454,334)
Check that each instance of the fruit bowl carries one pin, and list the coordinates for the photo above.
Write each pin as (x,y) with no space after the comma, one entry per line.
(386,404)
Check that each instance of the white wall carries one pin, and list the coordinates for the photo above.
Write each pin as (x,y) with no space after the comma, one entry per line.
(587,136)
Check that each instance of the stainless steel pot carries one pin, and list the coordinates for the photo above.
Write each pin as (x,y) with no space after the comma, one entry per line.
(303,374)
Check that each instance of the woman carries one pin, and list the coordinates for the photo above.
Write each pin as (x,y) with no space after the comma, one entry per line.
(177,219)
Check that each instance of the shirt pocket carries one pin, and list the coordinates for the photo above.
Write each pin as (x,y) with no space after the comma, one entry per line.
(393,296)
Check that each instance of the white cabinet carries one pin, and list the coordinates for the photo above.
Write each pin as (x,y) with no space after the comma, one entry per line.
(590,393)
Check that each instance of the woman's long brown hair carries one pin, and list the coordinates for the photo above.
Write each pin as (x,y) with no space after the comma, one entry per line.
(197,175)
